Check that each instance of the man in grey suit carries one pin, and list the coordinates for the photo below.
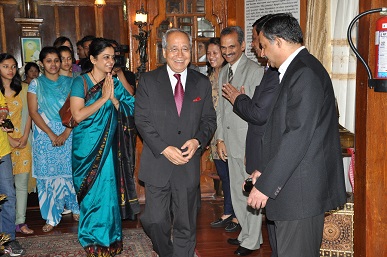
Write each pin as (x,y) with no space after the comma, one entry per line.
(174,115)
(302,172)
(256,111)
(231,135)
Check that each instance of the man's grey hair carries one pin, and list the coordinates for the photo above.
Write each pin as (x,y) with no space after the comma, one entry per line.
(166,34)
(234,29)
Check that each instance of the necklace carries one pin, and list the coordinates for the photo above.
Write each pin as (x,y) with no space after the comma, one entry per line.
(93,77)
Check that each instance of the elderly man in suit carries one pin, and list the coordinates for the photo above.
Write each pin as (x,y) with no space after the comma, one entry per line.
(256,111)
(231,135)
(302,173)
(174,115)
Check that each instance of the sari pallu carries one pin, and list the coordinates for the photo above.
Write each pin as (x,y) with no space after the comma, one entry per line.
(126,140)
(94,171)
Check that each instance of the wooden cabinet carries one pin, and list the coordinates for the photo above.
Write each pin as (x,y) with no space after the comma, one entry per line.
(190,16)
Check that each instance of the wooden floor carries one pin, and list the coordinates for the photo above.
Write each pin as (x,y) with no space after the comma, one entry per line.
(211,242)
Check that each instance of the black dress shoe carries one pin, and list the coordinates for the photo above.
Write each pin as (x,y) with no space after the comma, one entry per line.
(241,251)
(220,223)
(232,227)
(233,241)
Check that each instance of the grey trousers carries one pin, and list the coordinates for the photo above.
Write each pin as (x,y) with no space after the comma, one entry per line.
(249,219)
(299,238)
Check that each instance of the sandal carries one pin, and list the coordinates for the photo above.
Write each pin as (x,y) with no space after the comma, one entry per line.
(76,217)
(47,228)
(23,228)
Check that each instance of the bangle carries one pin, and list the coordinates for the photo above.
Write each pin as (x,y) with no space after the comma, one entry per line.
(221,141)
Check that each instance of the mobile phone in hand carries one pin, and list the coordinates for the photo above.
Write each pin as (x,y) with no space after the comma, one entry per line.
(248,185)
(7,124)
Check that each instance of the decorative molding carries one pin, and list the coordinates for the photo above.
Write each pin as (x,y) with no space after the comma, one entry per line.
(12,2)
(77,23)
(56,20)
(30,27)
(98,12)
(77,2)
(218,11)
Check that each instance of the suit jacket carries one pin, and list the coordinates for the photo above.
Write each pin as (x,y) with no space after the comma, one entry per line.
(256,112)
(160,126)
(231,128)
(302,163)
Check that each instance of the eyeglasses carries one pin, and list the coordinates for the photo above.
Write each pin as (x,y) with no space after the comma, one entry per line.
(175,50)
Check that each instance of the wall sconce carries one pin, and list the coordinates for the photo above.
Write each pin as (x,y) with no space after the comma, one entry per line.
(100,3)
(142,37)
(141,17)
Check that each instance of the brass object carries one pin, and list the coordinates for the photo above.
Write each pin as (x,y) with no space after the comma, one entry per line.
(347,138)
(2,197)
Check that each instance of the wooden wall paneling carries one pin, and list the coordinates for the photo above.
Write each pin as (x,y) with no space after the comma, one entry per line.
(371,141)
(135,62)
(98,16)
(130,9)
(122,37)
(231,11)
(360,143)
(240,13)
(114,26)
(87,21)
(77,26)
(132,6)
(216,14)
(48,33)
(3,41)
(56,21)
(67,24)
(156,14)
(12,31)
(303,13)
(35,10)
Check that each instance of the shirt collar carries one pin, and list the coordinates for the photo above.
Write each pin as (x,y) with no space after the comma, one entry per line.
(284,66)
(172,78)
(235,65)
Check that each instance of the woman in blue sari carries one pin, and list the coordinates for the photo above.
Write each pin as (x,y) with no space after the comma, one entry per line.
(51,147)
(96,151)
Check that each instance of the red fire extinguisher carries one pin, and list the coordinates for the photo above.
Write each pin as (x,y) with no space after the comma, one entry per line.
(381,48)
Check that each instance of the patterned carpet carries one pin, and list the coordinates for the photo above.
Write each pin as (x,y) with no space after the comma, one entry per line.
(136,244)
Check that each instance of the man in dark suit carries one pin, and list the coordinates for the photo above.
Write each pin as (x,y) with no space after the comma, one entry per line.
(172,132)
(256,111)
(302,173)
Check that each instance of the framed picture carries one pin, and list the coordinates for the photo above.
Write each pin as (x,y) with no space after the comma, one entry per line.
(31,47)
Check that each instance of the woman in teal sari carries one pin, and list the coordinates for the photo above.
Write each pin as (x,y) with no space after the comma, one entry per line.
(96,151)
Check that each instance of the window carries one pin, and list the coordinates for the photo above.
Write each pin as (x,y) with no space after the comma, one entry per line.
(188,15)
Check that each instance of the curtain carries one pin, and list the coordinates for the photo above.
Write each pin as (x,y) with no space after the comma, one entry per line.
(318,33)
(326,32)
(344,60)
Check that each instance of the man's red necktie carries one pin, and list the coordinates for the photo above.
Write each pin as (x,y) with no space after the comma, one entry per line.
(179,94)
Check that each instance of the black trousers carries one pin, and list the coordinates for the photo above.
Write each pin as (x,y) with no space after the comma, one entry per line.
(272,238)
(172,235)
